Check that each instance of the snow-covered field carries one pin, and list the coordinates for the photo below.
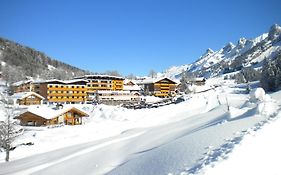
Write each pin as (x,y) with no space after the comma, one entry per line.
(197,136)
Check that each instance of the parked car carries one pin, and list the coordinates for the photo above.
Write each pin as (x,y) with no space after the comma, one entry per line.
(179,100)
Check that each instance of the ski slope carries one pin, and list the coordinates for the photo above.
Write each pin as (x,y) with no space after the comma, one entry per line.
(185,138)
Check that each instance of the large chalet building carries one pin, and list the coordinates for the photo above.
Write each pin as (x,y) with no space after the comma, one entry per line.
(70,91)
(161,87)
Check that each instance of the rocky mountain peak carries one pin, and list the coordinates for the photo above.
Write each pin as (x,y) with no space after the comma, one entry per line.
(274,32)
(228,47)
(209,50)
(241,41)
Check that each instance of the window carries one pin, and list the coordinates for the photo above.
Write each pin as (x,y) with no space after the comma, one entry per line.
(56,86)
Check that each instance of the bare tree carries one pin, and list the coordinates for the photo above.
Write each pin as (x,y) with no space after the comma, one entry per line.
(8,130)
(152,74)
(113,73)
(131,76)
(185,82)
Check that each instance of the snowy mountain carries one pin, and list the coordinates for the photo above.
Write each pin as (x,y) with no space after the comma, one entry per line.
(174,71)
(230,58)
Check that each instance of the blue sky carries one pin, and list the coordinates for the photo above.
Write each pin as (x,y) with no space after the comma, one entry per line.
(133,36)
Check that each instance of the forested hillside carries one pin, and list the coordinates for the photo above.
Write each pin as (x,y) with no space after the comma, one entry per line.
(19,62)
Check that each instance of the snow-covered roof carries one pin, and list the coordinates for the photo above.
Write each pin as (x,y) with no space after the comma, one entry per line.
(126,81)
(131,88)
(74,81)
(154,80)
(62,81)
(50,113)
(22,95)
(198,79)
(99,77)
(22,82)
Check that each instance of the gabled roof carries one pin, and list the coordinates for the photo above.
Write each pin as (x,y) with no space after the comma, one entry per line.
(22,82)
(56,81)
(22,95)
(50,113)
(154,80)
(131,88)
(198,79)
(132,85)
(128,81)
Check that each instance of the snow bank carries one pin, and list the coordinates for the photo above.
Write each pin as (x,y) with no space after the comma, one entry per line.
(258,153)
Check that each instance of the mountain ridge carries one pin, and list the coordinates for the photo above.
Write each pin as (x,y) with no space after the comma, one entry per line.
(231,57)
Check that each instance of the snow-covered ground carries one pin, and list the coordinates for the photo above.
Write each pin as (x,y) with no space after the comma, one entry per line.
(196,136)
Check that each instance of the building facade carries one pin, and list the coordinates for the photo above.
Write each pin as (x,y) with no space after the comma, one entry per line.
(101,83)
(163,87)
(23,86)
(72,91)
(117,97)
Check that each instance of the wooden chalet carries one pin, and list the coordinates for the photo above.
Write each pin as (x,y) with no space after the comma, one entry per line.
(23,86)
(130,85)
(26,98)
(43,116)
(162,87)
(200,81)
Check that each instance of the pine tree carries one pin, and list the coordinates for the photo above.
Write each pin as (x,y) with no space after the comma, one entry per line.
(271,74)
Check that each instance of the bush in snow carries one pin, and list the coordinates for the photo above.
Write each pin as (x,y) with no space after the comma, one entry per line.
(267,107)
(257,94)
